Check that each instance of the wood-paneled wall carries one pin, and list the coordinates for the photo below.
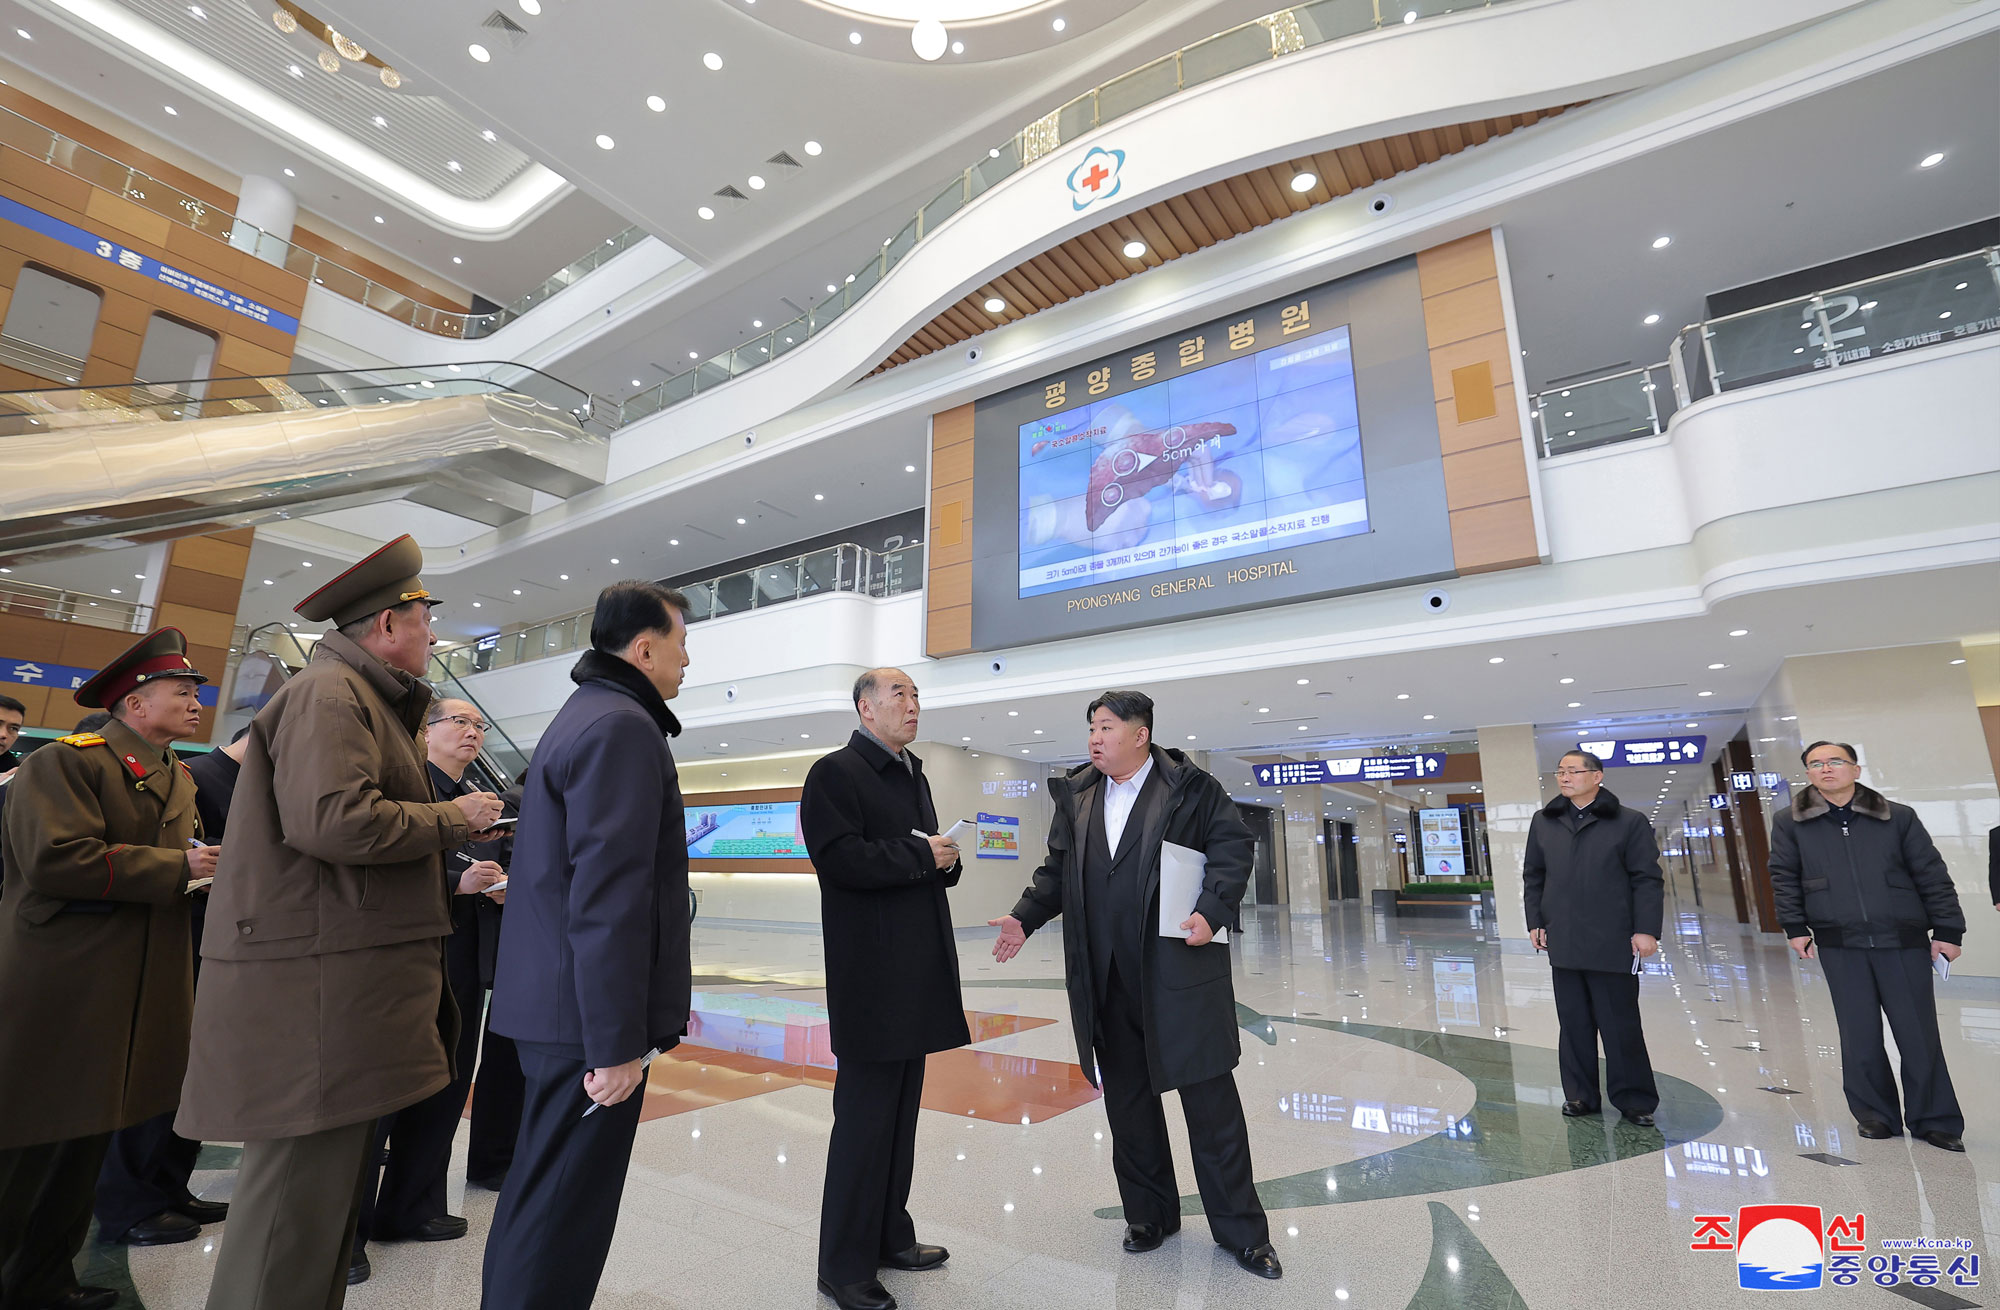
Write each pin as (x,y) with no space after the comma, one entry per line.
(1473,382)
(948,562)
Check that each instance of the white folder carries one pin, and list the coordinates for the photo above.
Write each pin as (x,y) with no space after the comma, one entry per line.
(1181,871)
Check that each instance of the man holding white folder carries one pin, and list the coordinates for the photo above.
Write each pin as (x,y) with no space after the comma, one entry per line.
(1147,864)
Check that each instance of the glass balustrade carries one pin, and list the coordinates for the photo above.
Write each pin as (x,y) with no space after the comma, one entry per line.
(32,600)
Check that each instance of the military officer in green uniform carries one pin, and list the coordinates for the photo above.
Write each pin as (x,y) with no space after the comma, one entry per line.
(96,966)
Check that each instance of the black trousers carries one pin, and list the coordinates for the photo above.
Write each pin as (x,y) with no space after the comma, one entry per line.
(146,1170)
(45,1193)
(552,1229)
(1590,1006)
(864,1211)
(1866,985)
(1142,1155)
(410,1189)
(496,1098)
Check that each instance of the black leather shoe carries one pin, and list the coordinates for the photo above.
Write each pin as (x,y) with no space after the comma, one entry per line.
(203,1212)
(917,1258)
(444,1228)
(83,1298)
(1141,1238)
(1875,1130)
(358,1268)
(1945,1141)
(163,1229)
(1577,1109)
(868,1294)
(1261,1261)
(1642,1120)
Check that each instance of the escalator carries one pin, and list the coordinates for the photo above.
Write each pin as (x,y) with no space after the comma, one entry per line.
(142,462)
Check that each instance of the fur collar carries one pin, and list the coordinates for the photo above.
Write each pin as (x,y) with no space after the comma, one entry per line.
(1605,806)
(1807,803)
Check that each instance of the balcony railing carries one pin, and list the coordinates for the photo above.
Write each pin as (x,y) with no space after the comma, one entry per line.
(108,174)
(848,568)
(1932,304)
(1274,36)
(35,601)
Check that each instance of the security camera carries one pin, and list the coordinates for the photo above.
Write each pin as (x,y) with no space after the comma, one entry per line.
(972,354)
(997,667)
(750,438)
(1382,204)
(1437,600)
(729,692)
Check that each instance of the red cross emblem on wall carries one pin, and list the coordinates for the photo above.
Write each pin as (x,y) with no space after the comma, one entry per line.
(1096,177)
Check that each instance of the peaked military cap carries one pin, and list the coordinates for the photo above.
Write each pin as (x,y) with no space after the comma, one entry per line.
(385,579)
(159,654)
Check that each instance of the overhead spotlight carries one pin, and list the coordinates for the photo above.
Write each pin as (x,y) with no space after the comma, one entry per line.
(1409,17)
(171,111)
(742,522)
(295,70)
(831,288)
(1661,243)
(532,8)
(814,147)
(1739,632)
(379,218)
(958,47)
(487,135)
(909,468)
(756,322)
(1932,160)
(692,354)
(458,259)
(1059,24)
(994,304)
(1134,249)
(705,213)
(1650,319)
(656,104)
(381,122)
(604,142)
(854,38)
(1304,182)
(928,39)
(712,62)
(290,173)
(756,183)
(479,53)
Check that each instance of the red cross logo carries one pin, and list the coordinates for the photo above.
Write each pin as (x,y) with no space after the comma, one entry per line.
(1095,177)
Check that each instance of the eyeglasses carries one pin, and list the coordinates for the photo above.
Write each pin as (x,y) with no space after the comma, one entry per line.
(1574,773)
(1823,765)
(462,723)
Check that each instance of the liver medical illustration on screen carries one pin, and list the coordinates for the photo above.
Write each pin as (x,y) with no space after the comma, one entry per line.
(1252,454)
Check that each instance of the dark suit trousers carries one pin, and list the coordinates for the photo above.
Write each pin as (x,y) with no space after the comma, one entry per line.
(146,1171)
(1591,1005)
(496,1098)
(1142,1155)
(552,1229)
(864,1211)
(45,1193)
(403,1194)
(1866,985)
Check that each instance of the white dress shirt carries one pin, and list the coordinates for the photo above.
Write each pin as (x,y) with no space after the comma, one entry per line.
(1119,798)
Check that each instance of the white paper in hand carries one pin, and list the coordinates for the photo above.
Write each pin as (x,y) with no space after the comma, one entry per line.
(1943,967)
(958,832)
(1181,871)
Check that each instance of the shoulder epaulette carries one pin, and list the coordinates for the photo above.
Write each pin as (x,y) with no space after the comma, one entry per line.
(81,739)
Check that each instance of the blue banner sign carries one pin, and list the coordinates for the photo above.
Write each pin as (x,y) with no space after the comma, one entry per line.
(145,265)
(1366,768)
(1652,750)
(63,677)
(1718,801)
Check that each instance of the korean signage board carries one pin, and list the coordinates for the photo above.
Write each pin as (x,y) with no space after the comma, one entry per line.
(1365,768)
(64,677)
(1444,846)
(1646,751)
(999,837)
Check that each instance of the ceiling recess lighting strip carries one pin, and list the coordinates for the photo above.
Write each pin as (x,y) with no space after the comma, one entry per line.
(153,48)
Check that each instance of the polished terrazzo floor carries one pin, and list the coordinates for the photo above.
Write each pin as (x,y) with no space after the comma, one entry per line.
(1400,1081)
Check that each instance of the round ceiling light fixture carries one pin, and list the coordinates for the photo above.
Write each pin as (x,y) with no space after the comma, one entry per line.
(656,104)
(814,147)
(995,305)
(929,39)
(705,213)
(712,62)
(604,142)
(1304,182)
(479,53)
(1134,249)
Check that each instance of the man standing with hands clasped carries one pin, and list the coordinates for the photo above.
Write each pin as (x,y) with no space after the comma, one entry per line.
(1153,1013)
(892,993)
(1595,896)
(1858,883)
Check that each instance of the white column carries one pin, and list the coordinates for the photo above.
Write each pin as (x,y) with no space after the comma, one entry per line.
(1307,881)
(265,213)
(1512,784)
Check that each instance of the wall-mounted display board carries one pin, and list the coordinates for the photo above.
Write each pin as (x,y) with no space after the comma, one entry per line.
(745,832)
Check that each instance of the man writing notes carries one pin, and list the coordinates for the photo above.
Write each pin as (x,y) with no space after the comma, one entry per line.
(891,982)
(1594,895)
(1152,1013)
(593,976)
(96,961)
(322,1003)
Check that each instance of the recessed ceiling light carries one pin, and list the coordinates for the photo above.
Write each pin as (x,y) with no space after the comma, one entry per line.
(269,583)
(1410,17)
(290,173)
(379,218)
(198,12)
(116,592)
(819,495)
(171,111)
(381,121)
(705,213)
(1576,704)
(1304,681)
(475,604)
(635,382)
(854,38)
(1650,319)
(1959,660)
(305,563)
(517,591)
(1566,681)
(604,142)
(756,183)
(712,62)
(1013,714)
(958,47)
(1402,695)
(1694,725)
(532,8)
(1497,659)
(994,304)
(562,577)
(909,468)
(614,559)
(296,71)
(1300,728)
(741,522)
(22,32)
(1134,249)
(1718,666)
(1059,24)
(656,104)
(1661,243)
(1704,693)
(1304,182)
(1429,716)
(673,541)
(488,135)
(479,52)
(813,147)
(756,322)
(1931,160)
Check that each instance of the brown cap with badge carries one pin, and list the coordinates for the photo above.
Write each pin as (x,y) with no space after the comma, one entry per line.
(382,581)
(160,654)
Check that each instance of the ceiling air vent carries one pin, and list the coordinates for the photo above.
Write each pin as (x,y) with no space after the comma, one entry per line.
(505,26)
(732,197)
(784,163)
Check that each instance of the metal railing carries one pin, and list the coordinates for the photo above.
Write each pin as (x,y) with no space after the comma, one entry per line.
(846,567)
(1286,32)
(34,601)
(1931,304)
(107,174)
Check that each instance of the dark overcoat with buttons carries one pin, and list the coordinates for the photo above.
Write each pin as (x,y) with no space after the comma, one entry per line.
(1594,886)
(892,988)
(96,966)
(323,1000)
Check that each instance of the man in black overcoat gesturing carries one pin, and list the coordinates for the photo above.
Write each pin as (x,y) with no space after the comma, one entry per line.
(1595,897)
(892,992)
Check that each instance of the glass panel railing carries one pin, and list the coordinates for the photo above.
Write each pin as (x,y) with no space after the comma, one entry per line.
(32,600)
(1933,304)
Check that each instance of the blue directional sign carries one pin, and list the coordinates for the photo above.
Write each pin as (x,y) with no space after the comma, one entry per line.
(1650,750)
(65,677)
(1365,768)
(1718,801)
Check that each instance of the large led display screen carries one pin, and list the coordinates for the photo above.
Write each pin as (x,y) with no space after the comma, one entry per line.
(768,831)
(1281,452)
(1259,452)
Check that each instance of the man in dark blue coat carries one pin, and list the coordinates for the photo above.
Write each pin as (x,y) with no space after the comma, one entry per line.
(892,992)
(1595,898)
(593,975)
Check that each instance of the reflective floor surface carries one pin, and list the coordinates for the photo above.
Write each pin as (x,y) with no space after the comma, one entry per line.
(1400,1080)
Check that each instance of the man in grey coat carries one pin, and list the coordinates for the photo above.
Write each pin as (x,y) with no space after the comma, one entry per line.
(1594,894)
(1858,881)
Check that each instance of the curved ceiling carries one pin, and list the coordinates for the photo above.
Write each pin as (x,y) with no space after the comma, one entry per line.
(974,30)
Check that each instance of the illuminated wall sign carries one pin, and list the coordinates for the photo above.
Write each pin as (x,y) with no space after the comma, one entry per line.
(1652,750)
(1743,782)
(1718,801)
(1367,768)
(999,837)
(1444,848)
(65,677)
(145,265)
